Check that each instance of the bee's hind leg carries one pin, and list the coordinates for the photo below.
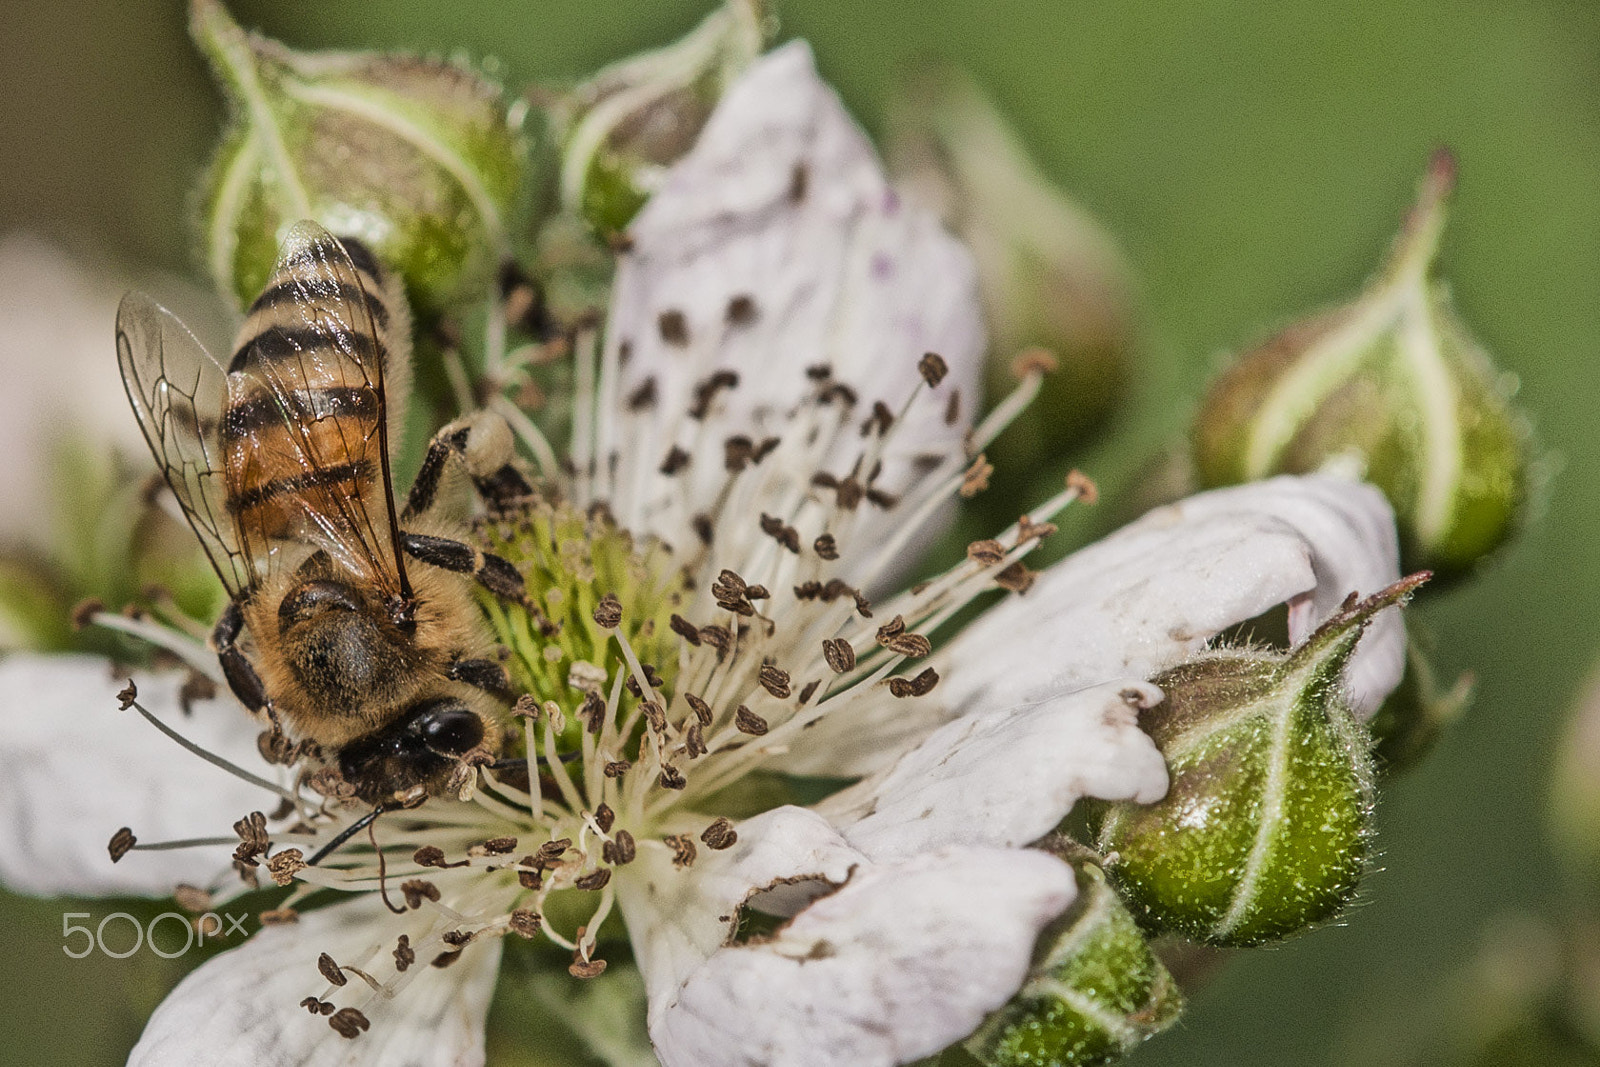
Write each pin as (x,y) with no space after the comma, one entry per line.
(492,572)
(481,443)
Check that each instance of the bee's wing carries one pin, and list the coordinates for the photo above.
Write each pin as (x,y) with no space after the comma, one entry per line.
(177,390)
(319,361)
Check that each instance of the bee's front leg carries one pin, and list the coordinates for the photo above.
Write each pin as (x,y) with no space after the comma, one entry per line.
(480,442)
(492,572)
(236,666)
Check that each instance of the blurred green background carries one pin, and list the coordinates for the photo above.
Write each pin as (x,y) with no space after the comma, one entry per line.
(1254,160)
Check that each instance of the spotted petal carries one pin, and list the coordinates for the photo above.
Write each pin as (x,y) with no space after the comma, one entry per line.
(1152,593)
(777,247)
(241,1007)
(903,960)
(74,769)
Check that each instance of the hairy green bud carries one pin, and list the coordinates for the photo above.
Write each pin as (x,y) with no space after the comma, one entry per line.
(1095,989)
(421,159)
(1393,385)
(1049,275)
(1264,830)
(622,128)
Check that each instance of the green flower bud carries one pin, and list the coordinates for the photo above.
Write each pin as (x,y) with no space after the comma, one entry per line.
(1393,384)
(624,126)
(420,158)
(1264,830)
(1094,992)
(1049,274)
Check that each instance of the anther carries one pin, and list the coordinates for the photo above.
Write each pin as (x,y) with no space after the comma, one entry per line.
(1016,578)
(551,852)
(674,328)
(676,460)
(933,368)
(121,842)
(683,850)
(252,831)
(617,768)
(608,613)
(719,835)
(348,1022)
(976,479)
(919,686)
(418,890)
(671,777)
(810,690)
(285,865)
(620,850)
(525,922)
(317,1007)
(694,741)
(741,310)
(605,818)
(595,880)
(839,653)
(826,546)
(737,452)
(774,681)
(330,970)
(748,722)
(529,879)
(702,710)
(781,532)
(952,408)
(705,394)
(582,968)
(718,637)
(495,846)
(404,954)
(643,397)
(685,629)
(127,695)
(457,939)
(1088,492)
(433,856)
(986,552)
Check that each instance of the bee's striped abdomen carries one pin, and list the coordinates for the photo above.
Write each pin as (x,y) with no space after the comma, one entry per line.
(301,430)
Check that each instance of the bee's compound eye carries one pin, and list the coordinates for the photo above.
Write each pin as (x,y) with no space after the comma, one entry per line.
(451,729)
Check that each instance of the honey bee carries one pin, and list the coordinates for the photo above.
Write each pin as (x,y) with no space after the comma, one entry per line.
(360,617)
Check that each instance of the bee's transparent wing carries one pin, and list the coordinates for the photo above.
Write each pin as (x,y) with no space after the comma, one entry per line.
(322,362)
(177,390)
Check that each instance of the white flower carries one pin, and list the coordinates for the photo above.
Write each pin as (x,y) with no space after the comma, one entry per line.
(764,405)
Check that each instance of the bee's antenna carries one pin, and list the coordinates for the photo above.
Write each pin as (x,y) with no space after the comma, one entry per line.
(346,834)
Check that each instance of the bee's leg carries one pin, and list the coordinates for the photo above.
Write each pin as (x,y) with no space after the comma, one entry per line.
(482,443)
(492,572)
(236,667)
(483,674)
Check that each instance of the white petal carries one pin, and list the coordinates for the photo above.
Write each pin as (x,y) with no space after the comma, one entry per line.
(678,918)
(903,961)
(74,769)
(243,1006)
(1006,776)
(1153,593)
(838,271)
